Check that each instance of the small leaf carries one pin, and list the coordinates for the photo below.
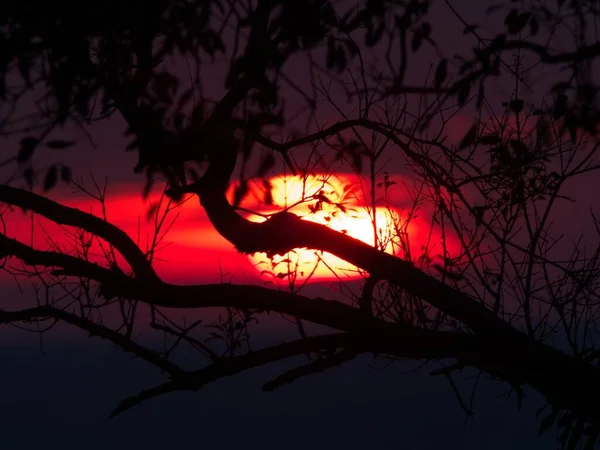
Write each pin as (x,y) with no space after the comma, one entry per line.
(267,164)
(133,145)
(540,410)
(441,72)
(534,26)
(193,174)
(27,147)
(65,174)
(372,35)
(490,139)
(29,176)
(59,144)
(469,138)
(589,445)
(480,95)
(148,186)
(330,52)
(268,188)
(340,59)
(565,419)
(240,192)
(151,211)
(572,127)
(417,39)
(564,435)
(519,147)
(516,105)
(24,65)
(269,196)
(357,162)
(185,97)
(515,22)
(51,178)
(560,106)
(498,42)
(548,421)
(463,93)
(575,438)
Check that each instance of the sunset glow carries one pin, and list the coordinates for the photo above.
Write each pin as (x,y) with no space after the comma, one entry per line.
(192,251)
(332,201)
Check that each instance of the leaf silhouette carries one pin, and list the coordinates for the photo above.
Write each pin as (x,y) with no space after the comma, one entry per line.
(417,39)
(266,164)
(441,72)
(534,26)
(469,138)
(548,421)
(29,176)
(240,192)
(516,105)
(515,22)
(51,178)
(66,174)
(560,106)
(59,144)
(490,139)
(28,146)
(151,210)
(575,438)
(463,93)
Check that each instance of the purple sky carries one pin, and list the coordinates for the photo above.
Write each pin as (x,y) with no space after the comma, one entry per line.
(64,397)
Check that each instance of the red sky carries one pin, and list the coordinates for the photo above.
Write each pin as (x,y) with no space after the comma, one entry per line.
(193,252)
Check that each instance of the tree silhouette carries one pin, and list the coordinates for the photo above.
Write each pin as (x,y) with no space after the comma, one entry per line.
(496,305)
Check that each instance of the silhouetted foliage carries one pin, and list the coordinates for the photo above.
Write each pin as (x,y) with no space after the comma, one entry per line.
(237,110)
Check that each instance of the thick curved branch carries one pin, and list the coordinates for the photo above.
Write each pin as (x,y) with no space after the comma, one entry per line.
(564,380)
(230,366)
(285,231)
(329,313)
(501,344)
(69,265)
(63,215)
(350,343)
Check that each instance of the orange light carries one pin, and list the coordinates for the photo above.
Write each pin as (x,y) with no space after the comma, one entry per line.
(334,202)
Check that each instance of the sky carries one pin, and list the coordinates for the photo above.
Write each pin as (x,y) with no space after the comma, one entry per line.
(62,390)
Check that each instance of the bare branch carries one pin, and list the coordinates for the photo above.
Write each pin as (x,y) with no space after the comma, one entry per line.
(63,215)
(320,365)
(94,329)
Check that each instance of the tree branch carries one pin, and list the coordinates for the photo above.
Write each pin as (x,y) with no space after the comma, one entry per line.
(329,313)
(230,366)
(563,379)
(94,329)
(63,215)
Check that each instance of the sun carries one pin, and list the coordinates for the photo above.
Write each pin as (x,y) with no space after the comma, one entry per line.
(334,201)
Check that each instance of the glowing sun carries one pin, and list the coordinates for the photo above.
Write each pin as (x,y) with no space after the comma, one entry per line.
(334,201)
